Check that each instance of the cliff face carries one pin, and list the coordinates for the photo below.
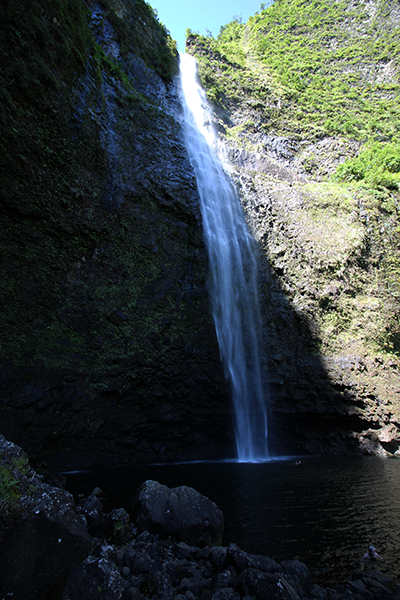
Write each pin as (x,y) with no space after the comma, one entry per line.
(108,351)
(296,92)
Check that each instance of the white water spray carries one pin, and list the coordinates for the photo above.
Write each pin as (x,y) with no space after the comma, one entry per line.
(233,285)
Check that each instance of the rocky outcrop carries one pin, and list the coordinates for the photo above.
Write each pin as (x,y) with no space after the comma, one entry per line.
(170,570)
(149,567)
(331,388)
(181,513)
(108,351)
(327,255)
(47,552)
(42,536)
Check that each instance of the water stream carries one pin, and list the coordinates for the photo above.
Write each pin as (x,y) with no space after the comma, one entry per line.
(233,265)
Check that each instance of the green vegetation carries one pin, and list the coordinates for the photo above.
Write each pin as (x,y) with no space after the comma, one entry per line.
(309,68)
(140,30)
(13,472)
(325,75)
(377,165)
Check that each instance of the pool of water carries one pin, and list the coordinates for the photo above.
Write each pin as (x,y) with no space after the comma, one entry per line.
(324,511)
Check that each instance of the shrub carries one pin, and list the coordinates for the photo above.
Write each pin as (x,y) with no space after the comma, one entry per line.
(377,164)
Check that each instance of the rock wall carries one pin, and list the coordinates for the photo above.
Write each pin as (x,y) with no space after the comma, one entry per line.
(108,350)
(327,255)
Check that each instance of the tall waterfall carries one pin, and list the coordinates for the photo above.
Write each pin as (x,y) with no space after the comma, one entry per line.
(233,280)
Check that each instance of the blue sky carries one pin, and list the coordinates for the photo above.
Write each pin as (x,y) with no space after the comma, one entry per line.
(199,15)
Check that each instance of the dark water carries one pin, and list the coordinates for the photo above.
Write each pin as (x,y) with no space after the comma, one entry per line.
(325,511)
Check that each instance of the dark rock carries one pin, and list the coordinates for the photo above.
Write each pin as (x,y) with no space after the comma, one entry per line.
(93,509)
(94,578)
(41,535)
(374,581)
(222,579)
(181,513)
(125,571)
(332,594)
(298,575)
(318,593)
(264,586)
(203,553)
(359,588)
(243,560)
(160,587)
(182,550)
(118,526)
(179,569)
(82,385)
(217,556)
(196,583)
(137,561)
(132,594)
(225,594)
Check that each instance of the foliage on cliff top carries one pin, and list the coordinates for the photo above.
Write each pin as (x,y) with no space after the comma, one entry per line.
(314,71)
(141,31)
(310,68)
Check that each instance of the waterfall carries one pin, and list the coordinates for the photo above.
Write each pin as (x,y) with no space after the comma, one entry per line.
(233,280)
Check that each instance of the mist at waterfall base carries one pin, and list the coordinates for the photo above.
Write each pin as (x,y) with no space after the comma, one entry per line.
(324,511)
(233,270)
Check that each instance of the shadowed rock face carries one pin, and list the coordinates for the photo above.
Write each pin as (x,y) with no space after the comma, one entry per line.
(41,536)
(108,350)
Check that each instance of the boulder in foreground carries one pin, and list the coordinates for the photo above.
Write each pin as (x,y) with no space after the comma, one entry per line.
(41,535)
(181,513)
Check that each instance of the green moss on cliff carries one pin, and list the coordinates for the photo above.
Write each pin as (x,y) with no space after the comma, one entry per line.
(309,68)
(13,472)
(323,75)
(63,281)
(140,31)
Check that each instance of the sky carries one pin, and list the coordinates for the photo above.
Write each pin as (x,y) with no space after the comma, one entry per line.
(200,15)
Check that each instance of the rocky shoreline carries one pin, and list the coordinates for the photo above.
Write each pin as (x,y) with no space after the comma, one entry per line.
(53,548)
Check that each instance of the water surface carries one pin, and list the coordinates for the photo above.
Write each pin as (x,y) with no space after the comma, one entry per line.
(324,511)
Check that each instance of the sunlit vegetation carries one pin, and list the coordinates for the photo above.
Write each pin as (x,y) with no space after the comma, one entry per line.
(312,71)
(316,68)
(377,164)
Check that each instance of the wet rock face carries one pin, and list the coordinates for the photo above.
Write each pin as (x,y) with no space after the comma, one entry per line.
(41,534)
(330,389)
(110,353)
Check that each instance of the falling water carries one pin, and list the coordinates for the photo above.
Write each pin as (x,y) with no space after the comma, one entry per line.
(233,285)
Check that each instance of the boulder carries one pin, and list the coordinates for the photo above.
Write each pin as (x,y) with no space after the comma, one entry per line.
(41,535)
(264,586)
(94,578)
(242,560)
(298,575)
(181,513)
